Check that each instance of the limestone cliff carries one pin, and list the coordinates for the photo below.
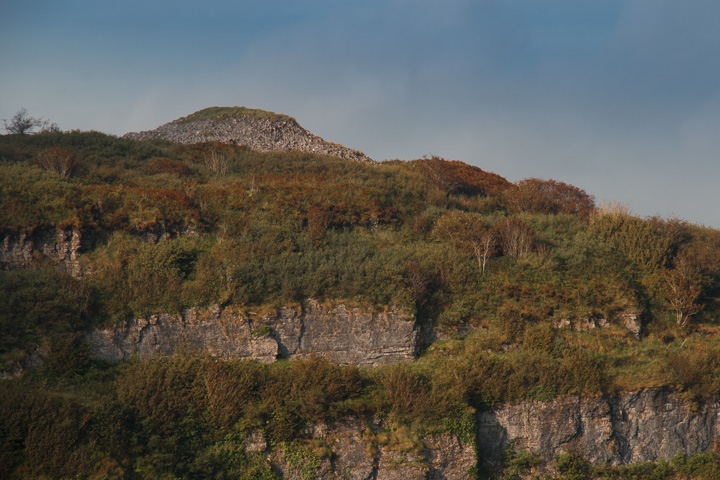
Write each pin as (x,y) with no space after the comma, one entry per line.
(359,450)
(342,334)
(257,129)
(60,245)
(636,427)
(629,428)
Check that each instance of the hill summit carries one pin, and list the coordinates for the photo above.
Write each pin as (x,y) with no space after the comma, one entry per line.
(257,129)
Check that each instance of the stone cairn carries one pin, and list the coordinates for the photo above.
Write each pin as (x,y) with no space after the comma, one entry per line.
(257,133)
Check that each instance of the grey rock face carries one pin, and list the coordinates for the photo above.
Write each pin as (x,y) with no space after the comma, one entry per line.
(340,334)
(61,245)
(356,457)
(637,427)
(633,323)
(257,133)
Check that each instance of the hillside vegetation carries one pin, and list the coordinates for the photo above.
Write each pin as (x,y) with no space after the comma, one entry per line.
(544,281)
(213,113)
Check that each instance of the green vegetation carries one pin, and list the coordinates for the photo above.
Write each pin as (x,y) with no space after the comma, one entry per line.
(459,247)
(216,113)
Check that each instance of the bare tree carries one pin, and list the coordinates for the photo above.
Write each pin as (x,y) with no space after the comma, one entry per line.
(217,162)
(484,245)
(21,124)
(516,237)
(56,160)
(681,290)
(471,233)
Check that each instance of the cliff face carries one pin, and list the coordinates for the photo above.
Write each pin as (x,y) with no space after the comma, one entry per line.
(261,134)
(339,333)
(61,245)
(636,427)
(631,428)
(361,451)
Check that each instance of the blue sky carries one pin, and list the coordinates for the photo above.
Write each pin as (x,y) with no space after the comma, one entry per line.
(619,97)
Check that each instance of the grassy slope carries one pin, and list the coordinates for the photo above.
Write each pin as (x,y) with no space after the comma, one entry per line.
(213,113)
(280,227)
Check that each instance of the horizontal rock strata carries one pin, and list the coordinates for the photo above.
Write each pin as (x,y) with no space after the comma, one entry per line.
(261,134)
(637,427)
(341,334)
(357,455)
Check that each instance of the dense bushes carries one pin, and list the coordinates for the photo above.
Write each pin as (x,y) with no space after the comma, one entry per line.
(189,416)
(549,196)
(446,239)
(462,248)
(47,436)
(39,304)
(283,226)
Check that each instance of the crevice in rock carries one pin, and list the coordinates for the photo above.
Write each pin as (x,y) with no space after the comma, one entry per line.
(618,418)
(301,334)
(375,467)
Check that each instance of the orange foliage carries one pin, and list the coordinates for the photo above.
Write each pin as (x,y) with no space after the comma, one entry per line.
(166,165)
(327,205)
(456,177)
(549,196)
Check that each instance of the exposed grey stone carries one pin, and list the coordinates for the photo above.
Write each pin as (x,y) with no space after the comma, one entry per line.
(257,133)
(356,457)
(341,334)
(638,427)
(632,322)
(60,245)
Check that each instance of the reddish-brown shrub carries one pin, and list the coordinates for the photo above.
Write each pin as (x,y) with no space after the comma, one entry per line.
(456,177)
(549,196)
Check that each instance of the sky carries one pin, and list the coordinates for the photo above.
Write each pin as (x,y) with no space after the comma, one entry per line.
(618,97)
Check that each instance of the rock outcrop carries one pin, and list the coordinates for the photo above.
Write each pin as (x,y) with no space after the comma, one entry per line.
(60,245)
(637,427)
(341,334)
(259,133)
(352,451)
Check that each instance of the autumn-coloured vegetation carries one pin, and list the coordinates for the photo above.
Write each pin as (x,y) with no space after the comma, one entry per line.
(533,195)
(170,226)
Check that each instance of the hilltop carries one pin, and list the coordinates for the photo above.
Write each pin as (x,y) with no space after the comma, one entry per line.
(422,310)
(257,129)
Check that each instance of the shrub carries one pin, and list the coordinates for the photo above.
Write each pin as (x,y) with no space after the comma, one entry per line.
(635,239)
(572,466)
(41,303)
(56,160)
(549,196)
(455,177)
(516,237)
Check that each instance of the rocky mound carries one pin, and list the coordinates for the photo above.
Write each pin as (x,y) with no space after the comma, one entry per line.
(257,129)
